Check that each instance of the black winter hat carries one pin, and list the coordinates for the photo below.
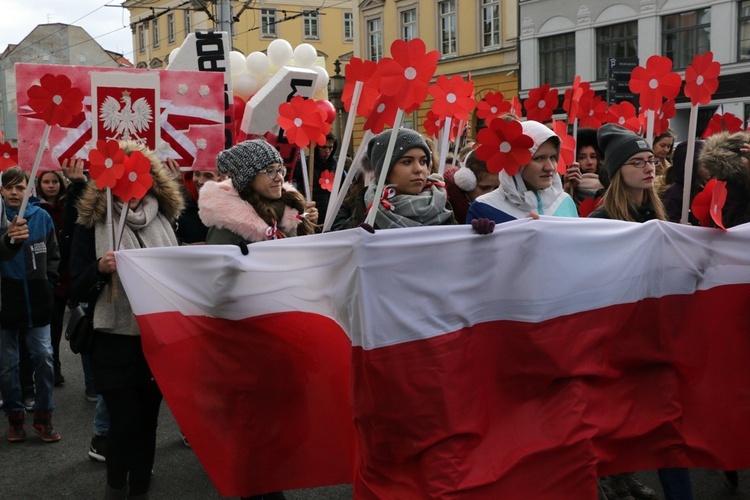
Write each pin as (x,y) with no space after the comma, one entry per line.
(243,161)
(406,139)
(618,144)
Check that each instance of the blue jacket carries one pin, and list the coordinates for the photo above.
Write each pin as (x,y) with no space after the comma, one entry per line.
(28,278)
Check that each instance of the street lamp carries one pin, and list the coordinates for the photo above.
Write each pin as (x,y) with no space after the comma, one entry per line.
(335,91)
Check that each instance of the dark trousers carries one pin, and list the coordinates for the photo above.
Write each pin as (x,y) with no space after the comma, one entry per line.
(56,327)
(131,442)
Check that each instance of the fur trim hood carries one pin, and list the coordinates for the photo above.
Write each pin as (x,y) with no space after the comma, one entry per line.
(92,206)
(722,157)
(220,205)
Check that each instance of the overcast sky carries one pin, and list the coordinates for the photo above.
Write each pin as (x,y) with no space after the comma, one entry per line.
(107,25)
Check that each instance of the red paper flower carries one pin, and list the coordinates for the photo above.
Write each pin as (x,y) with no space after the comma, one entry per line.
(709,203)
(587,206)
(623,114)
(655,83)
(572,98)
(106,163)
(406,76)
(718,199)
(541,103)
(358,70)
(55,99)
(383,113)
(8,156)
(492,106)
(515,107)
(722,122)
(567,146)
(454,97)
(504,146)
(302,121)
(433,126)
(666,113)
(702,78)
(592,112)
(326,180)
(136,179)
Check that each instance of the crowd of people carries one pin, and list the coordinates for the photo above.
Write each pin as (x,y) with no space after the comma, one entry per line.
(59,254)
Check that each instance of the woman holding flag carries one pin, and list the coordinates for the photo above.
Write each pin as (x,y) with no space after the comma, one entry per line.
(121,373)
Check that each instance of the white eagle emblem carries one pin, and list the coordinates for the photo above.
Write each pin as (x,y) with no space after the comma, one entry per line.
(128,121)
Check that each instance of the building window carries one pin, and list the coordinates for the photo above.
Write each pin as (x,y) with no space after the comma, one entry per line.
(142,37)
(310,21)
(155,33)
(447,30)
(619,41)
(375,39)
(170,28)
(744,31)
(409,24)
(348,27)
(268,23)
(557,59)
(490,24)
(188,23)
(685,35)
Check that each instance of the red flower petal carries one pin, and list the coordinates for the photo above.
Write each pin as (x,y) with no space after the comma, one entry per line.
(454,97)
(136,179)
(504,146)
(541,103)
(302,122)
(407,74)
(702,78)
(383,113)
(55,99)
(567,146)
(106,163)
(492,106)
(654,83)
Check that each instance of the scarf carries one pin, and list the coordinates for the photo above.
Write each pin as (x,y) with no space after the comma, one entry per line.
(145,227)
(427,208)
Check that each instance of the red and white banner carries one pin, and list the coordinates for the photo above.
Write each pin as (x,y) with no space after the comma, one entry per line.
(178,114)
(522,364)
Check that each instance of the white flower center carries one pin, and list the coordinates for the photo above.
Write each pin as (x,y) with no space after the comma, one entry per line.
(504,147)
(132,177)
(699,80)
(57,99)
(6,155)
(108,163)
(451,98)
(542,104)
(381,107)
(410,73)
(493,109)
(297,122)
(621,120)
(653,83)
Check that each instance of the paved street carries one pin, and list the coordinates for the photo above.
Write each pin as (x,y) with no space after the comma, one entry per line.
(35,470)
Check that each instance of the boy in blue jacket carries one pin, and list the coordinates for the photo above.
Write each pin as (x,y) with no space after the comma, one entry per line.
(26,283)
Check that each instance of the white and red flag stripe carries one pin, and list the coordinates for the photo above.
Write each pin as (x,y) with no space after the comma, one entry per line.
(433,362)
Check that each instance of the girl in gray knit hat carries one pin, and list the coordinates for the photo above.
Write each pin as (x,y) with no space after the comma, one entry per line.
(254,204)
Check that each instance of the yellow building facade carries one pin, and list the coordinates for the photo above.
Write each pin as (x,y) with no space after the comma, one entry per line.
(160,26)
(480,38)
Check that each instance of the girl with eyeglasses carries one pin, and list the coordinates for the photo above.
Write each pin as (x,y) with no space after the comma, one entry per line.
(631,166)
(253,204)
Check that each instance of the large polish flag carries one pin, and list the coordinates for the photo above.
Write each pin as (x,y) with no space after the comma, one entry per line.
(437,363)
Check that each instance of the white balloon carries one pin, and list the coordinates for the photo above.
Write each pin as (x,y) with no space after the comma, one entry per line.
(237,63)
(322,81)
(257,64)
(244,86)
(280,52)
(305,55)
(173,54)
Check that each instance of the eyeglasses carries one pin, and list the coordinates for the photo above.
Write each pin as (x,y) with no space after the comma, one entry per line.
(273,172)
(638,163)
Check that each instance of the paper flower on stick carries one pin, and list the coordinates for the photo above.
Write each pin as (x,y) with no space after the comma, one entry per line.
(722,122)
(567,146)
(655,82)
(492,106)
(433,126)
(383,113)
(592,112)
(106,163)
(504,146)
(541,103)
(623,114)
(358,70)
(136,179)
(326,180)
(8,156)
(407,74)
(573,96)
(515,107)
(709,203)
(666,113)
(454,97)
(702,78)
(303,122)
(55,99)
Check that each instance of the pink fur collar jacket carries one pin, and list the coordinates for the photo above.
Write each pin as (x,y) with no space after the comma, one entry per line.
(221,206)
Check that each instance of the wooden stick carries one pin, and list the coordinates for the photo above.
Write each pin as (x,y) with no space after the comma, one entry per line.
(384,172)
(689,157)
(32,177)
